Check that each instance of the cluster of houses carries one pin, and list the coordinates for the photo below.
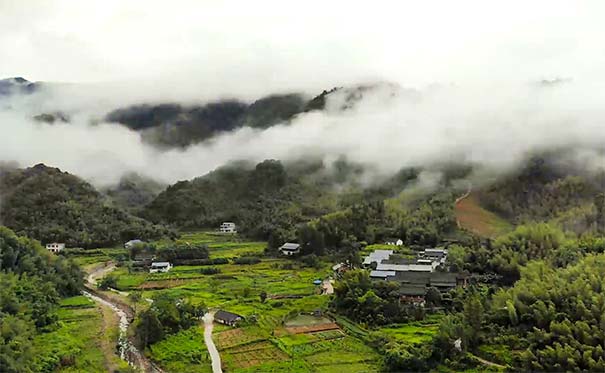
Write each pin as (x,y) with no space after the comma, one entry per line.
(145,259)
(414,275)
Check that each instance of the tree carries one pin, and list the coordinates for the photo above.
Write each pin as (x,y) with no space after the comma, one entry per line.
(109,281)
(263,296)
(473,317)
(433,296)
(149,329)
(599,202)
(135,297)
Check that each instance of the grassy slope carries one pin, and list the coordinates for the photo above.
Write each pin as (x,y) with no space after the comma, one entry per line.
(78,343)
(474,218)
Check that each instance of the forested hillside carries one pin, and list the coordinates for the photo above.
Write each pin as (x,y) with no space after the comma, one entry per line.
(179,125)
(542,191)
(49,205)
(32,281)
(259,199)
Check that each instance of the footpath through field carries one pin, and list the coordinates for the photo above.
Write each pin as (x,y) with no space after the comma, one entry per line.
(212,350)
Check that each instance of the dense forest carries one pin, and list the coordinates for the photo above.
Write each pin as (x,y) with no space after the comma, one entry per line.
(177,125)
(32,281)
(53,206)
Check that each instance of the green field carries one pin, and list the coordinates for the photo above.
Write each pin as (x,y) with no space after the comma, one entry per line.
(417,332)
(261,344)
(76,344)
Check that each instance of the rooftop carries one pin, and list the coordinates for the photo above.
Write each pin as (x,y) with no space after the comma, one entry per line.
(377,256)
(290,246)
(382,274)
(227,316)
(160,264)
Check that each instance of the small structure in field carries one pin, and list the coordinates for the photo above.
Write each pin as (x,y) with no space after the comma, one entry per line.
(55,247)
(132,243)
(227,227)
(289,248)
(160,267)
(227,318)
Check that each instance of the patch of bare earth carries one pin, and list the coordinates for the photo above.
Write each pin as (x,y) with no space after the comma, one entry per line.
(475,219)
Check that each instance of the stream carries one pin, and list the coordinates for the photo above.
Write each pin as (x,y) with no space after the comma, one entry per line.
(127,351)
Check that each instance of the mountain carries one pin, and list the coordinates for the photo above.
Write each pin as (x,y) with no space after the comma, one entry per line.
(53,206)
(17,85)
(133,191)
(172,124)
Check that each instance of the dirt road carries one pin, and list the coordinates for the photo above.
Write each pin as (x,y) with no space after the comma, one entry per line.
(212,350)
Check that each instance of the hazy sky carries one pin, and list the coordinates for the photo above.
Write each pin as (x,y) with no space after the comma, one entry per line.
(306,44)
(486,56)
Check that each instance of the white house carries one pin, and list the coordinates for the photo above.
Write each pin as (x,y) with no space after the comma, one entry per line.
(55,247)
(289,249)
(160,267)
(131,243)
(227,227)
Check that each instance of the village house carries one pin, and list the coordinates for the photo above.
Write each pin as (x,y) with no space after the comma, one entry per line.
(227,227)
(132,243)
(436,255)
(377,256)
(160,267)
(227,318)
(55,247)
(290,248)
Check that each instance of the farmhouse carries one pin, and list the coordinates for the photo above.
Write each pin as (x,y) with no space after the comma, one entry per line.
(227,227)
(131,243)
(289,249)
(55,247)
(160,267)
(436,255)
(227,318)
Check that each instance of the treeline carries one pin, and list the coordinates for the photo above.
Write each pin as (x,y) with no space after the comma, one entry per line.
(167,315)
(543,190)
(171,124)
(52,206)
(32,282)
(261,199)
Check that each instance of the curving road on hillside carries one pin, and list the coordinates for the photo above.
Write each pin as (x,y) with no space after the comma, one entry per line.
(212,350)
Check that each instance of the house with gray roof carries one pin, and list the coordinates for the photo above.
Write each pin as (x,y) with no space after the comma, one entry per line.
(289,249)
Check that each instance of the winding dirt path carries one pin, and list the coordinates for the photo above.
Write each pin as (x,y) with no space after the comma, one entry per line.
(462,198)
(212,350)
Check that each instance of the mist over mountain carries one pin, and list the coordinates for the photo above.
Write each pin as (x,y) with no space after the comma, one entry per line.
(383,127)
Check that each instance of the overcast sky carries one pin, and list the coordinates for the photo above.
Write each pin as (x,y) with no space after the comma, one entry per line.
(305,44)
(483,53)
